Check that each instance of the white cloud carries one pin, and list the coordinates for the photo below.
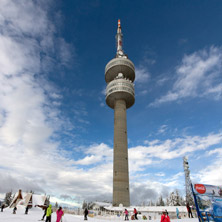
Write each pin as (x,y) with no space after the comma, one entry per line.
(216,151)
(142,74)
(24,105)
(215,90)
(162,80)
(211,174)
(141,156)
(89,160)
(28,118)
(160,174)
(198,75)
(162,129)
(96,154)
(153,142)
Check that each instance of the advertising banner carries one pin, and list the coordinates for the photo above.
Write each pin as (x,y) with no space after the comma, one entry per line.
(208,200)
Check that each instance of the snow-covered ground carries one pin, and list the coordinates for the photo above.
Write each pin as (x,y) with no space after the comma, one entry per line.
(36,214)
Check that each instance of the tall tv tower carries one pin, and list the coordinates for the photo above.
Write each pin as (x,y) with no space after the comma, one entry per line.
(119,76)
(189,195)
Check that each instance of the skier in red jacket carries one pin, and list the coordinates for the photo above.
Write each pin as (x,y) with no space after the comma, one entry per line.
(165,217)
(135,213)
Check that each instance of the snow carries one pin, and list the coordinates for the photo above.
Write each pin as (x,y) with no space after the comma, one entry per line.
(35,214)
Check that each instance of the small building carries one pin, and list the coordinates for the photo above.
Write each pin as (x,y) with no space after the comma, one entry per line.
(100,206)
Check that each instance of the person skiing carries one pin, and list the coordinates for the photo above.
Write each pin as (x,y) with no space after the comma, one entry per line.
(45,210)
(135,213)
(14,210)
(48,213)
(2,207)
(26,209)
(189,210)
(126,214)
(59,214)
(86,213)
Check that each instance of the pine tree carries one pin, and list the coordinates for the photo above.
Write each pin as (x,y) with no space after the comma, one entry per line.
(182,201)
(56,205)
(84,205)
(172,199)
(47,201)
(151,203)
(8,198)
(90,206)
(167,201)
(177,198)
(161,202)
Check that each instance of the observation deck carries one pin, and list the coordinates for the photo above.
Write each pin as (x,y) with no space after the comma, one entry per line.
(119,65)
(120,89)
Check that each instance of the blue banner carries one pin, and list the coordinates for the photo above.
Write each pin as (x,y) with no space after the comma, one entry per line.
(208,201)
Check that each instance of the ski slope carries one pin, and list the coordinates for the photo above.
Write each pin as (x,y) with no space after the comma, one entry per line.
(36,214)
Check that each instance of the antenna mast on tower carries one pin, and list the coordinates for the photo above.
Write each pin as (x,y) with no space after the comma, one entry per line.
(189,196)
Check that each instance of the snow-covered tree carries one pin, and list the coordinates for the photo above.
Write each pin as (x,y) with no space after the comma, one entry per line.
(56,205)
(90,205)
(8,198)
(151,203)
(47,201)
(84,205)
(160,201)
(182,201)
(175,199)
(167,201)
(172,199)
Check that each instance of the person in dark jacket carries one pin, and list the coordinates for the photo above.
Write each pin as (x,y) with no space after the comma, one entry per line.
(26,209)
(14,210)
(189,211)
(45,210)
(2,207)
(85,214)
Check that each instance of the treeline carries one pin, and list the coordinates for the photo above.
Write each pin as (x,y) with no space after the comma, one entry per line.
(173,199)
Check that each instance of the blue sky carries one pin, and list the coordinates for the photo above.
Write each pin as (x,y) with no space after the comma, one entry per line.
(56,132)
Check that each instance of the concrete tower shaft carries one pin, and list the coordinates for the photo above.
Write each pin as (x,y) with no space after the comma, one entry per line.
(119,76)
(120,155)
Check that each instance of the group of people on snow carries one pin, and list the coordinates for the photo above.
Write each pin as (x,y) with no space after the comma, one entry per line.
(164,217)
(134,216)
(48,213)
